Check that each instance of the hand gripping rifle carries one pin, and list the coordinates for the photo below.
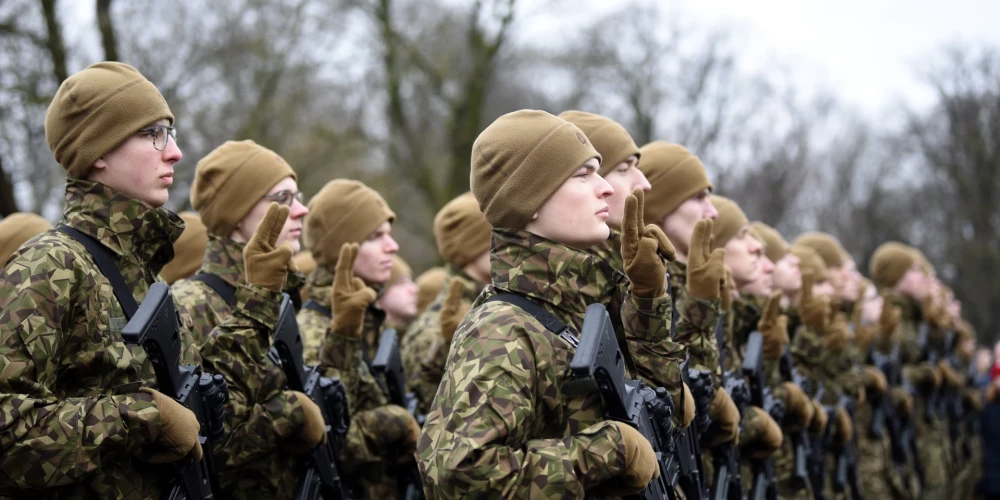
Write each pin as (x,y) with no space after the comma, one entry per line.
(846,475)
(800,439)
(765,485)
(389,364)
(599,366)
(727,484)
(155,326)
(321,477)
(884,416)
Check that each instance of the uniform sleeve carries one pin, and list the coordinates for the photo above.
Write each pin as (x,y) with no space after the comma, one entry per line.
(424,355)
(657,357)
(479,438)
(695,330)
(46,440)
(260,414)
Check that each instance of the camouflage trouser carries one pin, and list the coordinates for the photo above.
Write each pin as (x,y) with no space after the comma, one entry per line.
(933,449)
(874,462)
(789,487)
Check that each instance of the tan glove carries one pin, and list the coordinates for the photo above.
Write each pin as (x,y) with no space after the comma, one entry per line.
(949,376)
(706,270)
(973,400)
(688,405)
(774,328)
(924,376)
(845,428)
(726,291)
(888,321)
(267,266)
(902,402)
(645,250)
(838,333)
(640,462)
(395,431)
(178,431)
(350,296)
(873,379)
(814,310)
(726,416)
(797,406)
(761,435)
(856,310)
(313,431)
(819,421)
(453,309)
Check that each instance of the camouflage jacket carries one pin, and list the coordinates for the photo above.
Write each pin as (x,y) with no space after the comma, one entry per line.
(501,423)
(695,323)
(260,413)
(72,419)
(424,350)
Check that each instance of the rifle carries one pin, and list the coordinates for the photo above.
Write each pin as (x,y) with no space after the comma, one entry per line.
(599,366)
(928,354)
(321,477)
(884,415)
(765,485)
(727,483)
(817,456)
(389,364)
(688,448)
(154,326)
(800,439)
(847,461)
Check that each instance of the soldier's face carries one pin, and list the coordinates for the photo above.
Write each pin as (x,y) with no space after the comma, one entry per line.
(823,289)
(577,213)
(913,284)
(624,178)
(479,269)
(787,274)
(137,169)
(374,262)
(743,258)
(400,299)
(291,232)
(850,281)
(763,286)
(679,224)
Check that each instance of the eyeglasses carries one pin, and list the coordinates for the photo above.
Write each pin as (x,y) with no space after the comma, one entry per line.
(285,197)
(161,135)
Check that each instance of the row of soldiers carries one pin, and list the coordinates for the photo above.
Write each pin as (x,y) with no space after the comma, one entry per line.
(565,212)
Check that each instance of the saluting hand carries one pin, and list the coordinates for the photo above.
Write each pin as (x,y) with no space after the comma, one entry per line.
(267,266)
(706,271)
(645,250)
(350,296)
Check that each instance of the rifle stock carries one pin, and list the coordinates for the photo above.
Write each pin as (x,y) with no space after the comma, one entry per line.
(800,439)
(727,483)
(764,485)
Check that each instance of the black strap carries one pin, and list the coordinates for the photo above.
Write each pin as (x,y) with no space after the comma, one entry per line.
(221,287)
(106,263)
(316,306)
(550,322)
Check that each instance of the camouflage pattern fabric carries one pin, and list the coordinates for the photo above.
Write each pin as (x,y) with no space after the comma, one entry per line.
(424,351)
(501,423)
(72,419)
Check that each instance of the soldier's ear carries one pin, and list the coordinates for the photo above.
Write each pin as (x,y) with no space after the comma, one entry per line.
(534,216)
(101,164)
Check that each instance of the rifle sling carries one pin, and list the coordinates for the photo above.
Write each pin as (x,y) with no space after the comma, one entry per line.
(220,286)
(316,306)
(550,322)
(108,267)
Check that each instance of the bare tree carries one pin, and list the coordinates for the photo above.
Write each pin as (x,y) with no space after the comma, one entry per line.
(105,24)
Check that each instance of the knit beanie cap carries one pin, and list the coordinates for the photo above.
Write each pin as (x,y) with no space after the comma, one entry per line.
(609,138)
(96,109)
(775,246)
(810,261)
(304,262)
(461,231)
(520,160)
(730,221)
(890,262)
(189,249)
(344,211)
(828,247)
(231,180)
(17,228)
(429,284)
(675,175)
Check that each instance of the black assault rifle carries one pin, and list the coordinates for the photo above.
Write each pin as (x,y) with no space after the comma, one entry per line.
(389,364)
(599,366)
(727,483)
(884,416)
(765,485)
(155,326)
(321,476)
(800,439)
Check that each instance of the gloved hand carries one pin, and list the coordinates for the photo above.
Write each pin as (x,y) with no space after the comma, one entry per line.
(774,328)
(689,408)
(973,400)
(645,250)
(267,266)
(453,309)
(949,377)
(726,418)
(820,418)
(873,380)
(888,321)
(640,462)
(814,310)
(799,410)
(728,285)
(313,431)
(397,430)
(178,431)
(838,333)
(926,377)
(350,296)
(760,434)
(902,402)
(845,427)
(706,270)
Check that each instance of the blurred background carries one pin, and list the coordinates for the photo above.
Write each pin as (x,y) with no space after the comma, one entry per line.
(871,120)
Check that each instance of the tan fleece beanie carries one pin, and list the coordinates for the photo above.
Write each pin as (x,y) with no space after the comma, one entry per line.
(344,211)
(231,180)
(890,262)
(189,250)
(810,261)
(609,138)
(730,221)
(305,262)
(461,231)
(775,246)
(400,270)
(96,109)
(429,285)
(925,263)
(17,228)
(520,160)
(828,247)
(675,175)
